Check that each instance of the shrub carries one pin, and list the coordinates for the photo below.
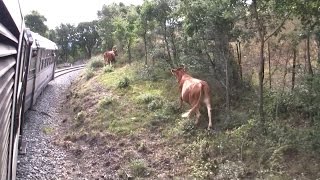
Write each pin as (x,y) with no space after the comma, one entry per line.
(89,74)
(155,104)
(146,98)
(138,168)
(124,83)
(96,63)
(104,103)
(108,69)
(147,73)
(170,108)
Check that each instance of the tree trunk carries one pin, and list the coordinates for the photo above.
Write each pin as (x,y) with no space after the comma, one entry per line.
(167,44)
(227,87)
(261,56)
(310,72)
(89,52)
(261,77)
(239,58)
(129,51)
(145,46)
(207,53)
(269,63)
(285,73)
(294,67)
(305,58)
(174,49)
(318,45)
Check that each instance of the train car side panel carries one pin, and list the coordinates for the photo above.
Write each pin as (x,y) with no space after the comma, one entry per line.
(9,38)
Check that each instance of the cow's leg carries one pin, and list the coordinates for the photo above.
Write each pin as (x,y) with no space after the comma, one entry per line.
(180,102)
(198,114)
(207,102)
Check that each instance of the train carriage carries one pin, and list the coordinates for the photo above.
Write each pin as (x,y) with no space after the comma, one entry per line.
(27,63)
(41,68)
(15,44)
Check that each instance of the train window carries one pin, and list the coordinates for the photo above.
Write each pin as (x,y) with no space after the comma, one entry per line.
(32,66)
(34,53)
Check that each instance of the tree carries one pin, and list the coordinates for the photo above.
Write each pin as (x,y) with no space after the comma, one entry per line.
(145,24)
(87,36)
(162,13)
(64,39)
(261,13)
(52,35)
(106,27)
(35,22)
(308,13)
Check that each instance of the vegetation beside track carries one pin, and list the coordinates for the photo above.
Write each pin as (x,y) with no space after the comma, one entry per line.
(134,110)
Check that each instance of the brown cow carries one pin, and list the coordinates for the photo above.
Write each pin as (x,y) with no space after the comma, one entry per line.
(194,92)
(110,56)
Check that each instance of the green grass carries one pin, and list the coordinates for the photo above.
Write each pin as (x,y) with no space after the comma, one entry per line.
(138,103)
(138,168)
(47,130)
(147,106)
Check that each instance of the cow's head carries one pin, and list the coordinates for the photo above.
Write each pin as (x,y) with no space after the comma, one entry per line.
(115,51)
(178,72)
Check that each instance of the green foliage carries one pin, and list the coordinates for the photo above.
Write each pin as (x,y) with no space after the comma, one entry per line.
(87,36)
(170,108)
(96,63)
(89,73)
(146,98)
(64,37)
(124,82)
(155,104)
(47,130)
(303,100)
(108,69)
(105,102)
(138,168)
(203,170)
(147,73)
(35,21)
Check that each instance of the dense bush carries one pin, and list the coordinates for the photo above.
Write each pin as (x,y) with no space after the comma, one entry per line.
(108,69)
(124,83)
(96,63)
(89,73)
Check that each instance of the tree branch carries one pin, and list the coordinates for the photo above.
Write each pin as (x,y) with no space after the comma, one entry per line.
(277,29)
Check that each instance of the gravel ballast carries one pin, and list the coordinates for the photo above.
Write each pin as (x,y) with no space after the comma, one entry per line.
(44,159)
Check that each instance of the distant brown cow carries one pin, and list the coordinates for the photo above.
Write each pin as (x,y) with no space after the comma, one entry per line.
(110,56)
(193,91)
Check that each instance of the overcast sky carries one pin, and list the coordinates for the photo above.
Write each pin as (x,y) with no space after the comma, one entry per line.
(68,11)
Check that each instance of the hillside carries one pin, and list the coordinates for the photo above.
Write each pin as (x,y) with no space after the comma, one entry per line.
(125,123)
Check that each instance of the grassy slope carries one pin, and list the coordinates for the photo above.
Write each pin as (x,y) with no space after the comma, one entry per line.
(160,144)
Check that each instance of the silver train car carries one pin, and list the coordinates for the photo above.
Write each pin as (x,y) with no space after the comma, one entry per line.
(41,68)
(27,63)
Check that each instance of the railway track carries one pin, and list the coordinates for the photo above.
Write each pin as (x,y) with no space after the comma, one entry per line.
(60,72)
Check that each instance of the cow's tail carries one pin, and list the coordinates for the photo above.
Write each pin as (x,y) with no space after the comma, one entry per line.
(196,106)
